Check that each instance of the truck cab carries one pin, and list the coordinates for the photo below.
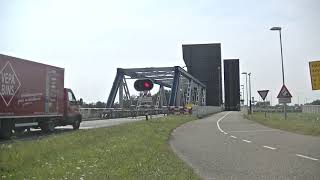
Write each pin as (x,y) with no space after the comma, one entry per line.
(72,115)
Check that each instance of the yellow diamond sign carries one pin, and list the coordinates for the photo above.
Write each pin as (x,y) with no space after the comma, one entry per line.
(315,74)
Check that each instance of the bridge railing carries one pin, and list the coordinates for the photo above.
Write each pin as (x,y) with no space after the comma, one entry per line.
(111,113)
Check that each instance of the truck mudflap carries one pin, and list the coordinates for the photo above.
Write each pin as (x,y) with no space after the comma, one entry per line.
(6,128)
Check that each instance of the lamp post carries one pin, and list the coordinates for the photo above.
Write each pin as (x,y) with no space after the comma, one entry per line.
(279,29)
(250,107)
(245,73)
(242,86)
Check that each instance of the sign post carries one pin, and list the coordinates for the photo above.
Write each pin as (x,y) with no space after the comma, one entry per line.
(284,97)
(263,94)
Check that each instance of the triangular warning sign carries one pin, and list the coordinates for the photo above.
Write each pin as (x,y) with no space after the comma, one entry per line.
(284,93)
(263,94)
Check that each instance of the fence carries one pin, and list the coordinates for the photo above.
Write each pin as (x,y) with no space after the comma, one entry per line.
(311,109)
(275,109)
(110,113)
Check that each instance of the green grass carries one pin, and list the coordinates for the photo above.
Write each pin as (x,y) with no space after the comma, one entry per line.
(130,151)
(301,123)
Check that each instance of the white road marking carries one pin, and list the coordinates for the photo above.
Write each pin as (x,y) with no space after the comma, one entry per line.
(268,147)
(70,127)
(259,130)
(86,127)
(220,120)
(307,157)
(246,140)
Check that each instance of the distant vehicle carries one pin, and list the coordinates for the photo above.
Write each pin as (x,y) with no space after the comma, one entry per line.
(33,95)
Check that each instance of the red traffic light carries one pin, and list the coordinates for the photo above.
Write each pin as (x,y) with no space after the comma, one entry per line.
(146,84)
(143,85)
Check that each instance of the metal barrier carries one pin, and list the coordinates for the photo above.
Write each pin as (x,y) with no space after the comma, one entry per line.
(275,109)
(311,109)
(202,111)
(111,113)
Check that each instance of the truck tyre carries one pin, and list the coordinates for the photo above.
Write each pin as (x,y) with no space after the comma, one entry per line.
(47,127)
(6,129)
(76,124)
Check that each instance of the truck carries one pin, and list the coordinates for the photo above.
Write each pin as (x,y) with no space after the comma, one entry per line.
(32,95)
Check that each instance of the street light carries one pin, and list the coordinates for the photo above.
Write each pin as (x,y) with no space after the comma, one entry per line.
(279,29)
(250,107)
(245,73)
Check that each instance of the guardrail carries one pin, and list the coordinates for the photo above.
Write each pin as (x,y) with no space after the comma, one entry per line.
(202,111)
(111,113)
(275,109)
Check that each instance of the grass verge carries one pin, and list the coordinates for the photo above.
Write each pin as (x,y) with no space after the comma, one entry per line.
(301,123)
(130,151)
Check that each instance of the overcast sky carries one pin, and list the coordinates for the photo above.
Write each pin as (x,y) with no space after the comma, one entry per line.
(90,39)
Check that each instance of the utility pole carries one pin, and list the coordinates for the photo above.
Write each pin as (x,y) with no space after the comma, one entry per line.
(245,73)
(250,107)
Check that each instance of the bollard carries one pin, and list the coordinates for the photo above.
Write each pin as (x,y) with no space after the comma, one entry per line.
(147,116)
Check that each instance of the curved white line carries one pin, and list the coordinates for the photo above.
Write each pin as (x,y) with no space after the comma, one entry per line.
(269,147)
(244,140)
(220,120)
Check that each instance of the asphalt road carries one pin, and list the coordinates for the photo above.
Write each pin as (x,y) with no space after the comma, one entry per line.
(106,123)
(36,133)
(227,146)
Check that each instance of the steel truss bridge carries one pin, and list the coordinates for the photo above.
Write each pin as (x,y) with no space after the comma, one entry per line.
(184,87)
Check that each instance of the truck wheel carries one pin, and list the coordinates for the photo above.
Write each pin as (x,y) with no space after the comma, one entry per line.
(6,129)
(76,124)
(47,127)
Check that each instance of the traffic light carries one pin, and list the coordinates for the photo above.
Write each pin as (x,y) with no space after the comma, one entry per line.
(143,85)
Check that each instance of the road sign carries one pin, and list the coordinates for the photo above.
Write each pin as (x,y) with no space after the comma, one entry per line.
(314,67)
(284,100)
(284,93)
(263,94)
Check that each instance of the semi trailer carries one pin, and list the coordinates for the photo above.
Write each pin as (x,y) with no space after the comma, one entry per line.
(32,95)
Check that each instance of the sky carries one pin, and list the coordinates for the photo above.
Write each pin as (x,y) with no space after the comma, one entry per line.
(90,39)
